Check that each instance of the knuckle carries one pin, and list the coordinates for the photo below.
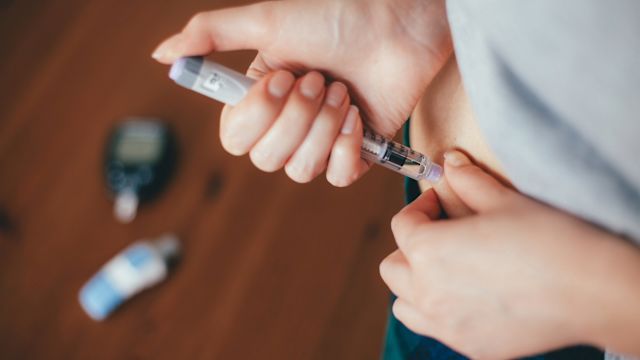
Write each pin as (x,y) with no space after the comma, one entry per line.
(383,269)
(422,252)
(396,223)
(416,254)
(396,312)
(197,21)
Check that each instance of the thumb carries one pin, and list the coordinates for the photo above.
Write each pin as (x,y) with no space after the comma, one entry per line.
(239,28)
(475,187)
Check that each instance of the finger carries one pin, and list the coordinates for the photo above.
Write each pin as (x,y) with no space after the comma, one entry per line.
(476,188)
(408,315)
(395,272)
(419,212)
(427,203)
(243,125)
(245,27)
(451,204)
(345,164)
(311,158)
(292,125)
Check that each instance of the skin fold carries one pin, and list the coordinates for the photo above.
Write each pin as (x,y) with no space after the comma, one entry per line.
(443,120)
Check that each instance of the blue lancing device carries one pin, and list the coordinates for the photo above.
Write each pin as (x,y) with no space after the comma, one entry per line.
(138,267)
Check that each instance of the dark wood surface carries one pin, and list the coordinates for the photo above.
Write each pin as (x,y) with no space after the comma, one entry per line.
(271,269)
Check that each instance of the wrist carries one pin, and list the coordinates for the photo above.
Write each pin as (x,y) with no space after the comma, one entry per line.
(423,22)
(611,294)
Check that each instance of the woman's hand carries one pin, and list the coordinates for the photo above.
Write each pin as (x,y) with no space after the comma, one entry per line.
(386,52)
(297,124)
(514,278)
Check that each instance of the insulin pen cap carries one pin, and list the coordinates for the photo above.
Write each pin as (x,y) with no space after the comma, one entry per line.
(140,266)
(185,70)
(211,79)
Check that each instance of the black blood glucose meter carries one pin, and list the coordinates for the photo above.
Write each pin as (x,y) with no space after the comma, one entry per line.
(140,159)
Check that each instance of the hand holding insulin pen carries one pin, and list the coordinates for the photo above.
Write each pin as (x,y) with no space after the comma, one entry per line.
(229,87)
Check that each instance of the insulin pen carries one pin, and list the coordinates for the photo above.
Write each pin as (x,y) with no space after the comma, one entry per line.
(229,86)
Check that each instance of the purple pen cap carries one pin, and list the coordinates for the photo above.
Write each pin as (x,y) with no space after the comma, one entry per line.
(434,174)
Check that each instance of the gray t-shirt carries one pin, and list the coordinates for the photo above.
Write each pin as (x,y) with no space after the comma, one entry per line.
(555,87)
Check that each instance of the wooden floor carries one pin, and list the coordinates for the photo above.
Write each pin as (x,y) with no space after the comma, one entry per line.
(271,269)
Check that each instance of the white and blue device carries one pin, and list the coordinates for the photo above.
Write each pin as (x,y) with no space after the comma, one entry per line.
(138,267)
(229,86)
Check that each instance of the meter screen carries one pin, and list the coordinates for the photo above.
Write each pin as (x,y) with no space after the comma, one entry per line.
(137,147)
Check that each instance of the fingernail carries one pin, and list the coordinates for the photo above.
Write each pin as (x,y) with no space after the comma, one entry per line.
(159,51)
(350,121)
(281,83)
(336,94)
(456,158)
(311,85)
(171,48)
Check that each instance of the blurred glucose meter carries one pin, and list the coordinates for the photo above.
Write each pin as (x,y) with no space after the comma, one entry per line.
(140,159)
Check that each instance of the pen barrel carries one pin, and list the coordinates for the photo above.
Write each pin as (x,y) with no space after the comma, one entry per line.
(397,157)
